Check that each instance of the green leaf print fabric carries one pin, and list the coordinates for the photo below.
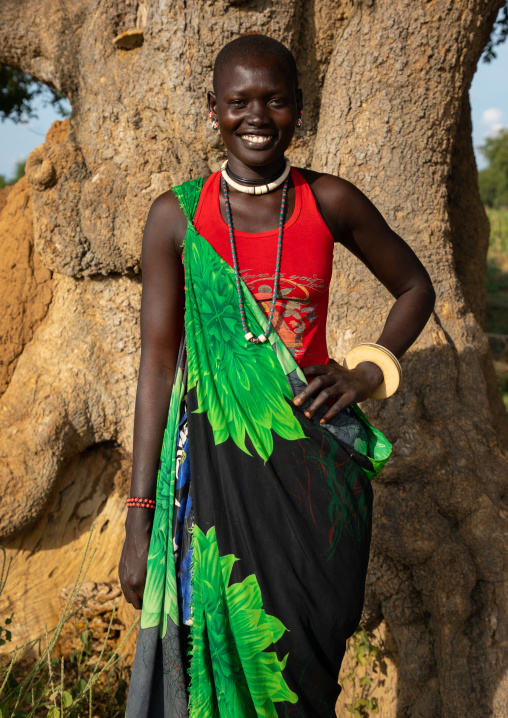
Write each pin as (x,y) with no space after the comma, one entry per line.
(281,521)
(231,632)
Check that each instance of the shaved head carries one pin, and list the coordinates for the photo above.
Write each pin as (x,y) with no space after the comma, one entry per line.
(254,47)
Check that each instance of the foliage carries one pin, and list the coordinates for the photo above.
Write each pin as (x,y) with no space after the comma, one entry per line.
(497,273)
(493,180)
(365,660)
(498,35)
(497,296)
(18,174)
(18,92)
(51,687)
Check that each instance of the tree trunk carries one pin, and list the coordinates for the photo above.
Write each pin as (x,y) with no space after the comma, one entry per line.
(386,105)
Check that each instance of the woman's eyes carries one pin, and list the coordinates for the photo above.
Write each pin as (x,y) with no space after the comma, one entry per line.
(277,101)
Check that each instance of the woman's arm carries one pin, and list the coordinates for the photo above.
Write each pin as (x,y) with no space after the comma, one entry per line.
(355,222)
(161,327)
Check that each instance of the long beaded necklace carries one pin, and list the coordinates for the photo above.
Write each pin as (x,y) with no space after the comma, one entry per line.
(249,336)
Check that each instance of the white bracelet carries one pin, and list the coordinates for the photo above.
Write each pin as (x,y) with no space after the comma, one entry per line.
(385,360)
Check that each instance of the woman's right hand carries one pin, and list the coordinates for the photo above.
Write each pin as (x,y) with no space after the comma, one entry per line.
(132,568)
(162,310)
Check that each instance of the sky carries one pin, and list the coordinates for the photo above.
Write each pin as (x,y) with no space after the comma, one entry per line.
(489,106)
(489,99)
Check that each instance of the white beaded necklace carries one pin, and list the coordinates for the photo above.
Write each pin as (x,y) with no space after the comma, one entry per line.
(260,189)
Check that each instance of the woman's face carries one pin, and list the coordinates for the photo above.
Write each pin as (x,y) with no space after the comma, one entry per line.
(256,105)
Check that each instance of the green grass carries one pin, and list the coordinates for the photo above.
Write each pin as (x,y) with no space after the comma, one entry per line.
(497,295)
(497,274)
(45,686)
(498,242)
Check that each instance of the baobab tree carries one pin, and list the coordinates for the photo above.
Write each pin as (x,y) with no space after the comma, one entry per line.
(385,86)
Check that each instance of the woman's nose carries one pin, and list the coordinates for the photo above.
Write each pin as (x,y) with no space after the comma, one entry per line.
(257,114)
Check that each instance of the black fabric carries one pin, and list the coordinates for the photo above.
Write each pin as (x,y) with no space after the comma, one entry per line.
(280,518)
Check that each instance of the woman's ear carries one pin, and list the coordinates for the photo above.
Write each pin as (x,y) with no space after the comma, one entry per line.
(212,102)
(299,100)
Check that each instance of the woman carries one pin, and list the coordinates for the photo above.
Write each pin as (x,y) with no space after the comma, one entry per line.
(260,539)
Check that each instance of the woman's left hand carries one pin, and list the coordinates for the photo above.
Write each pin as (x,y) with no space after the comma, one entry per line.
(334,380)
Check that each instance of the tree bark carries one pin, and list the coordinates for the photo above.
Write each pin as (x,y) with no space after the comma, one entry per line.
(386,105)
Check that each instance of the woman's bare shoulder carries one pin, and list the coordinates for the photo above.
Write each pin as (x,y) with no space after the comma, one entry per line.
(327,185)
(338,200)
(166,224)
(167,218)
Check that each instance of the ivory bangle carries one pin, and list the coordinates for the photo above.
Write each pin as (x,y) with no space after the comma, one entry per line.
(386,361)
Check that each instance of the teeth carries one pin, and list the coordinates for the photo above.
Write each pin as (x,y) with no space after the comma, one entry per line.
(256,138)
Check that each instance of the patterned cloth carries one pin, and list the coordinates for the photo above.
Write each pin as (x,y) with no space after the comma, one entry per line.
(183,521)
(271,533)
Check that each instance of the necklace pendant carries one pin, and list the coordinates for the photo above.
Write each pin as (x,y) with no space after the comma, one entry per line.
(249,336)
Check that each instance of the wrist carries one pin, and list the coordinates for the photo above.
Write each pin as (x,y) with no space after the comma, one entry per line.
(138,520)
(372,372)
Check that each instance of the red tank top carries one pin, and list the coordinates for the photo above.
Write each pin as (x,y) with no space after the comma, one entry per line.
(305,272)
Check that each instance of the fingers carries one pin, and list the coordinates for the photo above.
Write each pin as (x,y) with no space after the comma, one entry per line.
(132,574)
(315,385)
(131,596)
(329,385)
(345,400)
(136,601)
(133,592)
(323,397)
(331,381)
(315,370)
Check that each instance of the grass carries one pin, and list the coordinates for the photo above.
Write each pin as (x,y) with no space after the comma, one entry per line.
(82,683)
(497,295)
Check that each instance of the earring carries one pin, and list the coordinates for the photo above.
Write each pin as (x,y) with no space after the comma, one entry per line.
(299,121)
(213,121)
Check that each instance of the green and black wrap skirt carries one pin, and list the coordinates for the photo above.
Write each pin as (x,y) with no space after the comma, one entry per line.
(261,535)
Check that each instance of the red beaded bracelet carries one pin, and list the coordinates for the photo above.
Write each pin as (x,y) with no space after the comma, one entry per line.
(141,503)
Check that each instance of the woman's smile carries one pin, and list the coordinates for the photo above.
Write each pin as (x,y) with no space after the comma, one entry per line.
(256,105)
(257,139)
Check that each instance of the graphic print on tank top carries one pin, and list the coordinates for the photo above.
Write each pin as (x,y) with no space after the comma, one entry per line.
(295,311)
(305,272)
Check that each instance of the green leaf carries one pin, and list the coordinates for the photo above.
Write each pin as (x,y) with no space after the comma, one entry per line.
(80,686)
(53,712)
(66,699)
(230,622)
(228,370)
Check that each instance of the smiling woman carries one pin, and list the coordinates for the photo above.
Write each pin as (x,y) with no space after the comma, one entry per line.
(251,571)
